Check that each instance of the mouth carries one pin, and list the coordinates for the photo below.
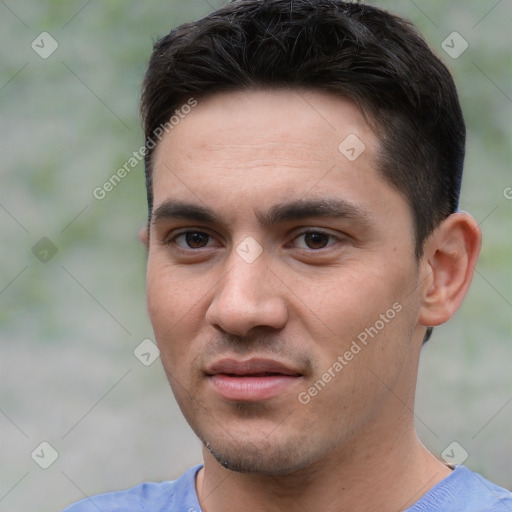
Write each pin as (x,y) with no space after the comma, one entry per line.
(252,380)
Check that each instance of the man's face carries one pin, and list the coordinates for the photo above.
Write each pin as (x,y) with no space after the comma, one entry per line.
(274,254)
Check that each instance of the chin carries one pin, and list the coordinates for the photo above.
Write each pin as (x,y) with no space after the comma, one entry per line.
(262,456)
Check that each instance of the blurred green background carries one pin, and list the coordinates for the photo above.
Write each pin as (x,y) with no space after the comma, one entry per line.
(70,321)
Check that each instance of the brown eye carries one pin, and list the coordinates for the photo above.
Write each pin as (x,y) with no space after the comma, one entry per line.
(190,240)
(316,240)
(196,239)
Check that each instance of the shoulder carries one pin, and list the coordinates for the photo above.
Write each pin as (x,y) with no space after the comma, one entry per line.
(489,495)
(134,499)
(464,491)
(168,496)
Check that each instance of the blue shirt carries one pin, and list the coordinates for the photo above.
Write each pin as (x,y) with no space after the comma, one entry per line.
(461,491)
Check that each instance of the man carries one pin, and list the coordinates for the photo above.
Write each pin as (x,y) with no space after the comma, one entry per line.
(303,163)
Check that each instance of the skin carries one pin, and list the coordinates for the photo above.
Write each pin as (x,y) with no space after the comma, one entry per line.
(302,301)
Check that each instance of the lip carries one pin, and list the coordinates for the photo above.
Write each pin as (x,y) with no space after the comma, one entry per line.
(251,366)
(252,380)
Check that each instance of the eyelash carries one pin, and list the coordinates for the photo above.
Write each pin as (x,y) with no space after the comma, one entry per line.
(172,240)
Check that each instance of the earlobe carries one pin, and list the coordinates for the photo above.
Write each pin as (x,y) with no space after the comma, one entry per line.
(450,257)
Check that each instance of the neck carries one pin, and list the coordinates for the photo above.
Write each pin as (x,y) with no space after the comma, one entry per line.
(384,473)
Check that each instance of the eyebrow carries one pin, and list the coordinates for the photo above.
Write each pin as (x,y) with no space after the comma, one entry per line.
(284,212)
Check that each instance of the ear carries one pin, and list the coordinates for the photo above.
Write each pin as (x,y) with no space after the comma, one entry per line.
(448,264)
(144,236)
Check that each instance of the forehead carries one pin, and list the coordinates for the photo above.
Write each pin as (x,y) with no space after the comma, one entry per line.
(241,120)
(246,148)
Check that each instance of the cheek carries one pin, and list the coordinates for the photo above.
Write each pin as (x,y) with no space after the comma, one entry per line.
(173,308)
(351,297)
(160,300)
(169,294)
(371,305)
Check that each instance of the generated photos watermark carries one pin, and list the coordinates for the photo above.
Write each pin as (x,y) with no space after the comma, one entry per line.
(138,156)
(355,348)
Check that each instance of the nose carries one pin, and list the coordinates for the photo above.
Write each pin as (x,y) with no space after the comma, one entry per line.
(248,296)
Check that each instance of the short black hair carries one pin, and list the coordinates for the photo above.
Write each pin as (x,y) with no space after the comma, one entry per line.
(361,52)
